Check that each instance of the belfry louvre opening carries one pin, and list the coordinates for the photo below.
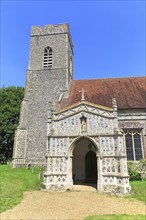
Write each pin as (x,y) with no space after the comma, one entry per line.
(48,57)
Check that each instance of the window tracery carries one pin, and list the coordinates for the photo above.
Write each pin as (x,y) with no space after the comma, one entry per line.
(133,145)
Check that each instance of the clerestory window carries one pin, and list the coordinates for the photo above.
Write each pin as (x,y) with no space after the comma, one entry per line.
(48,59)
(133,145)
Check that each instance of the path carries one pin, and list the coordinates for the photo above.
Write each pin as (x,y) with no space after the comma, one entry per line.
(38,205)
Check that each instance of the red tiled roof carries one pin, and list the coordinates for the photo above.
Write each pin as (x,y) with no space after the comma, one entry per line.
(129,92)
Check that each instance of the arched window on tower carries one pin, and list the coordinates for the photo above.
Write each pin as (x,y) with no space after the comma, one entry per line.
(48,59)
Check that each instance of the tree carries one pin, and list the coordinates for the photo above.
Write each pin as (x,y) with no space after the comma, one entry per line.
(10,100)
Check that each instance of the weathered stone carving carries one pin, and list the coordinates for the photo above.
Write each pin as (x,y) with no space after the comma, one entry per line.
(83,124)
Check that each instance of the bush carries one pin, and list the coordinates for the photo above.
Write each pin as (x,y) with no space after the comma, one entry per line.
(143,165)
(134,173)
(2,159)
(143,169)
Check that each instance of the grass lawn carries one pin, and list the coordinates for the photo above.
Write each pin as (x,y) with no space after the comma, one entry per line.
(138,191)
(13,182)
(116,217)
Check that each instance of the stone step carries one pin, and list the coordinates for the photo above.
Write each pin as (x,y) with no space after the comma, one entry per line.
(84,188)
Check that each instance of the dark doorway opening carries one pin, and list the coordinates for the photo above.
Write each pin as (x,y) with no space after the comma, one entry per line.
(91,167)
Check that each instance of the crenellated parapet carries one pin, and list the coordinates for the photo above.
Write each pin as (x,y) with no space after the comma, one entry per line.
(50,29)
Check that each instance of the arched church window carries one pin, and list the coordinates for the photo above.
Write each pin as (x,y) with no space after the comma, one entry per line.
(129,147)
(138,149)
(48,59)
(133,145)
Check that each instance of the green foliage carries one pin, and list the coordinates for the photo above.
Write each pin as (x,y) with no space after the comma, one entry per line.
(14,182)
(116,217)
(143,165)
(10,99)
(138,190)
(134,173)
(143,162)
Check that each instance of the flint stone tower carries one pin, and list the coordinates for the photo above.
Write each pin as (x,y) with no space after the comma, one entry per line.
(50,70)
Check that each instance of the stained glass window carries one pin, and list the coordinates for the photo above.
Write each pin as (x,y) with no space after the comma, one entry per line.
(129,147)
(137,144)
(133,145)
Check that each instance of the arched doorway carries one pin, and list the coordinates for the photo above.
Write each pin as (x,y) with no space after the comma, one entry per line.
(84,162)
(91,167)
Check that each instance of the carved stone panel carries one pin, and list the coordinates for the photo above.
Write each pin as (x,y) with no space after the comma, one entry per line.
(57,165)
(107,146)
(57,146)
(68,126)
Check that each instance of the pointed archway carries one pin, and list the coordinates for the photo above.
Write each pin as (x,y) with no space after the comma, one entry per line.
(84,161)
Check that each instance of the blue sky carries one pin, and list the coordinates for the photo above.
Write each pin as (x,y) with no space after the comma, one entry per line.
(108,36)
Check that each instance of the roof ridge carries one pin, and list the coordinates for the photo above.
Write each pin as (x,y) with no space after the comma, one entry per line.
(112,78)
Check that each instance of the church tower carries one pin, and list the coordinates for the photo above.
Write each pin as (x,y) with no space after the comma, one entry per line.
(49,73)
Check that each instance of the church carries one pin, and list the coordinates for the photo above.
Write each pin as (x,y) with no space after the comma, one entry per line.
(81,131)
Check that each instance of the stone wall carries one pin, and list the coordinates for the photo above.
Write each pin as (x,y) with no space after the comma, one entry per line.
(134,119)
(42,86)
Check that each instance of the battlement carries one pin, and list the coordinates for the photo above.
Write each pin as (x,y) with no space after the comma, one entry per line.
(50,29)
